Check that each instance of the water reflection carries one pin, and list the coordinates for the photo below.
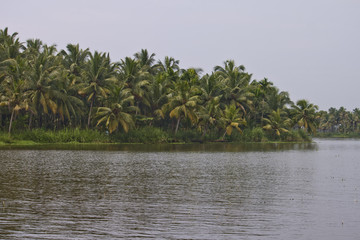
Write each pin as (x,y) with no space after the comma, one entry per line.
(277,193)
(208,147)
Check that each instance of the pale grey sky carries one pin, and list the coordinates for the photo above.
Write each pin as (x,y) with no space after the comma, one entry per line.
(310,48)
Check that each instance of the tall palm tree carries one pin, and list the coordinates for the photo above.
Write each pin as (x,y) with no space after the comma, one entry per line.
(10,45)
(75,58)
(183,102)
(137,79)
(44,68)
(146,60)
(68,104)
(13,88)
(236,82)
(99,74)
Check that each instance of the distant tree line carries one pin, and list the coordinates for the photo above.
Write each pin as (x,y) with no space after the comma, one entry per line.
(42,87)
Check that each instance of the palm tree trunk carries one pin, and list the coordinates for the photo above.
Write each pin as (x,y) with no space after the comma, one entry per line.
(11,120)
(177,125)
(89,117)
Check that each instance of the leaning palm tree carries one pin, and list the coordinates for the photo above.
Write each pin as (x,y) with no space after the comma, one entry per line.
(304,114)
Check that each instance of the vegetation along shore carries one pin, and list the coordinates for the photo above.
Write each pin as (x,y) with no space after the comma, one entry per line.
(74,95)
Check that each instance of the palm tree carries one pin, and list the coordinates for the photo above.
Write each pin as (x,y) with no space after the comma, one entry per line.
(236,84)
(232,118)
(68,104)
(99,74)
(75,59)
(121,105)
(145,60)
(277,122)
(137,79)
(183,102)
(304,114)
(157,95)
(13,88)
(40,89)
(10,45)
(209,114)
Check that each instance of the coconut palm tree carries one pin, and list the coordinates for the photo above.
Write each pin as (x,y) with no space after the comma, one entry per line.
(183,102)
(277,122)
(13,88)
(146,60)
(304,114)
(232,118)
(137,79)
(100,76)
(10,45)
(236,84)
(40,89)
(119,110)
(74,59)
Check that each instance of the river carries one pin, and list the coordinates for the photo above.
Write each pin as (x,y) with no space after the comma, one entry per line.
(201,191)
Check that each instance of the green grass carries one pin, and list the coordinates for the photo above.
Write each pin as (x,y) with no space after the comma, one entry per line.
(61,136)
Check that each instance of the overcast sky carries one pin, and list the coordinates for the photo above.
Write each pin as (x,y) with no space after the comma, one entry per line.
(310,48)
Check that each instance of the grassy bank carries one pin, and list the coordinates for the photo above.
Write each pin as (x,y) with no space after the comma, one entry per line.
(338,135)
(144,135)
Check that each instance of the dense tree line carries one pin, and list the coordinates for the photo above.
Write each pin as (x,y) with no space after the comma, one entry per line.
(41,87)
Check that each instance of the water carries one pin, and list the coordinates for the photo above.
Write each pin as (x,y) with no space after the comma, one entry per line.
(217,191)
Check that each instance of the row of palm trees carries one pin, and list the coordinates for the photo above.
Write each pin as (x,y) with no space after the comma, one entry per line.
(339,121)
(41,87)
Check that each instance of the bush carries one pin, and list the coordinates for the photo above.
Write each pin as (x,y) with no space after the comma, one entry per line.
(146,134)
(4,137)
(62,136)
(190,135)
(248,135)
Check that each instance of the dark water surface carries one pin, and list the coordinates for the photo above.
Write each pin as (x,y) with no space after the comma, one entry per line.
(216,191)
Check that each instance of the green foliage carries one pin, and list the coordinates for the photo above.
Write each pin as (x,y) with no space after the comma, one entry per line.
(75,89)
(5,138)
(296,136)
(190,135)
(142,135)
(249,135)
(62,136)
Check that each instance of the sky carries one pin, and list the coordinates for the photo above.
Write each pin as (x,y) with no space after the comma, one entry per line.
(309,48)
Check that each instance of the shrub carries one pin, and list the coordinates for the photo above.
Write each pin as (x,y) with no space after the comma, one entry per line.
(248,135)
(146,134)
(62,136)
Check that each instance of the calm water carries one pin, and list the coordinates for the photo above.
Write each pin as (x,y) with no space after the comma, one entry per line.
(219,191)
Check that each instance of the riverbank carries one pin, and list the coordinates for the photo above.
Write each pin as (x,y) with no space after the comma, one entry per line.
(145,135)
